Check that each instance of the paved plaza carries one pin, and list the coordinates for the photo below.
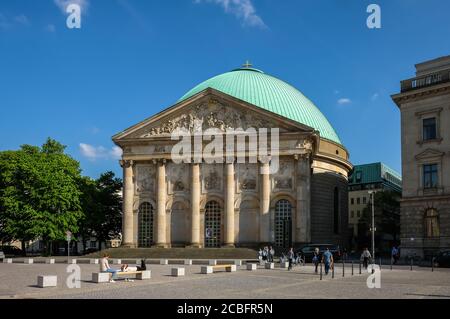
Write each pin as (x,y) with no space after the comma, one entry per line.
(19,281)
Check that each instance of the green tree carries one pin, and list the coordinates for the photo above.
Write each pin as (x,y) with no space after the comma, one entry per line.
(39,193)
(102,207)
(387,219)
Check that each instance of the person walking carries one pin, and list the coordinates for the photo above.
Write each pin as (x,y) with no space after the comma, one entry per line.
(316,259)
(365,257)
(265,254)
(395,255)
(260,256)
(290,257)
(271,254)
(327,260)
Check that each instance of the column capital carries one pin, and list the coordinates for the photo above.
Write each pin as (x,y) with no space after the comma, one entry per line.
(264,159)
(126,163)
(159,161)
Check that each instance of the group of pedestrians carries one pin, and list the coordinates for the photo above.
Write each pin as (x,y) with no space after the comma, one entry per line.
(266,254)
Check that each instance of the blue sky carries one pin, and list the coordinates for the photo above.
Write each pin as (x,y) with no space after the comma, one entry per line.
(133,58)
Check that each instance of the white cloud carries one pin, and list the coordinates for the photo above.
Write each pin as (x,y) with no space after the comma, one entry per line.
(242,9)
(99,152)
(62,4)
(344,101)
(375,97)
(22,19)
(50,28)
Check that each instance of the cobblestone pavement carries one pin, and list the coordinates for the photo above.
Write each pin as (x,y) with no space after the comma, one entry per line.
(19,281)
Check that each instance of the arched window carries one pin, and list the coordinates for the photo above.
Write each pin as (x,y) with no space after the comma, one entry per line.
(336,210)
(145,225)
(431,223)
(283,223)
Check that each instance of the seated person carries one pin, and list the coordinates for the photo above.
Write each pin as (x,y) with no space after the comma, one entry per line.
(104,267)
(126,268)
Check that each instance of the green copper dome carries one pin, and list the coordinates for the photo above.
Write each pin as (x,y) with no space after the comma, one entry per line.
(267,92)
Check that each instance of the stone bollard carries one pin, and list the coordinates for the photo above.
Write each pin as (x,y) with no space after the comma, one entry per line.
(47,281)
(164,262)
(144,275)
(212,262)
(284,264)
(50,261)
(7,261)
(207,270)
(231,268)
(72,261)
(93,261)
(188,262)
(270,266)
(251,267)
(238,262)
(28,261)
(101,277)
(178,272)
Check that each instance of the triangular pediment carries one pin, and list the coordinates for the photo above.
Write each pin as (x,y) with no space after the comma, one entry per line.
(429,153)
(209,109)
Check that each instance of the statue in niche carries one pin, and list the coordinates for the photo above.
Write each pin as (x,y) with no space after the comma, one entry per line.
(178,186)
(283,183)
(212,181)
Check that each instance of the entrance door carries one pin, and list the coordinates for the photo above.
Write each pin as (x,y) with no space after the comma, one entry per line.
(213,214)
(145,227)
(283,223)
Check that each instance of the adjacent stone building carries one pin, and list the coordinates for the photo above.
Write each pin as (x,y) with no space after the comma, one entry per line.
(234,203)
(424,103)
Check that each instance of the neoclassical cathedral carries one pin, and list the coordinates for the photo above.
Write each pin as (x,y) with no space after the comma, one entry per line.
(235,203)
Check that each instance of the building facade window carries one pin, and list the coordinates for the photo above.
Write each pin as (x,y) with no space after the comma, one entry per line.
(364,200)
(358,201)
(93,244)
(430,176)
(429,129)
(352,214)
(359,214)
(352,201)
(431,223)
(336,211)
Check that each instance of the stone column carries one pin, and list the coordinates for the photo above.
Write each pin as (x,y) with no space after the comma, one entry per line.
(128,195)
(161,240)
(195,205)
(264,218)
(303,225)
(229,205)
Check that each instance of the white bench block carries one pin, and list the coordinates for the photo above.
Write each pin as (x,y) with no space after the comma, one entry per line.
(99,277)
(146,274)
(231,269)
(117,261)
(238,262)
(188,261)
(47,281)
(270,266)
(251,267)
(28,261)
(212,262)
(207,270)
(93,261)
(72,261)
(178,272)
(284,264)
(164,262)
(7,261)
(50,261)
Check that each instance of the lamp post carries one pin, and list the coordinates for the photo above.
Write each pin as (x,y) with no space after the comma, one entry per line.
(372,193)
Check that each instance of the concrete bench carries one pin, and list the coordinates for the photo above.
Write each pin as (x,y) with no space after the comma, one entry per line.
(7,261)
(238,262)
(270,266)
(251,267)
(93,261)
(284,264)
(50,261)
(28,261)
(212,262)
(163,261)
(47,281)
(72,261)
(102,277)
(188,262)
(210,269)
(178,272)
